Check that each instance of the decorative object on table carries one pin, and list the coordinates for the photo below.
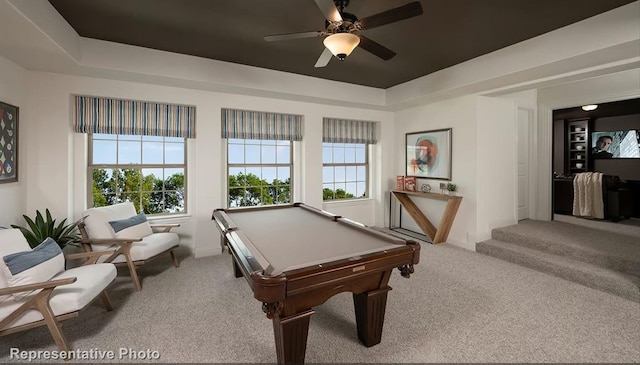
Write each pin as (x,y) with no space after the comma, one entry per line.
(410,183)
(443,187)
(425,188)
(452,188)
(400,182)
(428,154)
(8,143)
(42,227)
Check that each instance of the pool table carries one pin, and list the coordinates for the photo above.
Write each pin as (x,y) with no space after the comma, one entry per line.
(296,257)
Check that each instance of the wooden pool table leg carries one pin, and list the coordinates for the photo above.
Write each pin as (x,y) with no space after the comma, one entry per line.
(291,337)
(370,308)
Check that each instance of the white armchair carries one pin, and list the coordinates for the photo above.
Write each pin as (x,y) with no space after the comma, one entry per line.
(118,227)
(36,290)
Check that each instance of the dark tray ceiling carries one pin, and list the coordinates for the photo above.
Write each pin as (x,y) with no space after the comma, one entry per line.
(449,32)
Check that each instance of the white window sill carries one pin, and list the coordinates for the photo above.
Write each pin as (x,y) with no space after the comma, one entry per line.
(348,202)
(170,219)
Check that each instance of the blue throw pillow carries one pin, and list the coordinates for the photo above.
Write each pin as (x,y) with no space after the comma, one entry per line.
(21,261)
(40,264)
(121,224)
(134,227)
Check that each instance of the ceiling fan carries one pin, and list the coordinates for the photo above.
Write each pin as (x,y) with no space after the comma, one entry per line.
(341,28)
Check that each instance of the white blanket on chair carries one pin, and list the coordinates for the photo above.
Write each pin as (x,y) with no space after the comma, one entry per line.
(587,195)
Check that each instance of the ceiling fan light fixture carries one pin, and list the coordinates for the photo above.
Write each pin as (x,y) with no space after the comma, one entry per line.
(341,44)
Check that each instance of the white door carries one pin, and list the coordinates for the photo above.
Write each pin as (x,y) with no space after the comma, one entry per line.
(524,124)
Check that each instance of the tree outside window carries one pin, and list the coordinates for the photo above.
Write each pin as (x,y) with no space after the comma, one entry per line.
(344,171)
(149,171)
(259,172)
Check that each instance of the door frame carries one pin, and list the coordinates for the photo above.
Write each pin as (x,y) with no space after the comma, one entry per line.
(531,142)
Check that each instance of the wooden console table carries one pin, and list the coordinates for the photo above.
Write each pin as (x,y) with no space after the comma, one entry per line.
(437,235)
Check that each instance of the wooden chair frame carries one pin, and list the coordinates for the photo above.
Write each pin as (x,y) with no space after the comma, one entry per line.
(40,302)
(124,249)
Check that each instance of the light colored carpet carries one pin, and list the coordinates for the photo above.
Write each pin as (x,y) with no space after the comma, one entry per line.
(617,251)
(593,257)
(459,306)
(630,226)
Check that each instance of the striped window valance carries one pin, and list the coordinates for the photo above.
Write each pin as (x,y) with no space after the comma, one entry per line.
(348,131)
(246,124)
(116,116)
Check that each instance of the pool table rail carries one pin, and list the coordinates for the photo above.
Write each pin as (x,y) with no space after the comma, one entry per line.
(222,219)
(339,272)
(371,231)
(225,224)
(315,210)
(243,249)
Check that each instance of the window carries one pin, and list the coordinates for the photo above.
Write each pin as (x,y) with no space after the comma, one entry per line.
(259,156)
(259,172)
(344,170)
(146,170)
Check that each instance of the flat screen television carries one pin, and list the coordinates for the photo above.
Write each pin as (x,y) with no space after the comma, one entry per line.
(616,144)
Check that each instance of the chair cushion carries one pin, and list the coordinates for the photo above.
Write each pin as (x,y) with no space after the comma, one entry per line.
(11,240)
(150,246)
(133,227)
(33,266)
(91,280)
(97,219)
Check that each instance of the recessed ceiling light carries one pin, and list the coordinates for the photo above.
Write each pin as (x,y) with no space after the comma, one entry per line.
(588,108)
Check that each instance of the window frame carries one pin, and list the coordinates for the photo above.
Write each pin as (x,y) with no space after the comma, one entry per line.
(141,166)
(366,164)
(229,166)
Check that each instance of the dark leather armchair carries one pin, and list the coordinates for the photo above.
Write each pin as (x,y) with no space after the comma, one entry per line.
(618,203)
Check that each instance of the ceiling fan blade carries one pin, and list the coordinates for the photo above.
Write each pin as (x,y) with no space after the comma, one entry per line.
(376,48)
(324,58)
(393,15)
(282,37)
(328,8)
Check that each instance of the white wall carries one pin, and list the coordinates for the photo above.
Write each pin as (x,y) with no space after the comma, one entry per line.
(496,170)
(12,91)
(612,87)
(527,101)
(56,157)
(460,115)
(483,156)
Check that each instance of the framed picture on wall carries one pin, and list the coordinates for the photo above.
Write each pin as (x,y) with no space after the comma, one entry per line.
(8,143)
(428,154)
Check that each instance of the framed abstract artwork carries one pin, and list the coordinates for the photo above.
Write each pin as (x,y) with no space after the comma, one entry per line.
(8,143)
(428,154)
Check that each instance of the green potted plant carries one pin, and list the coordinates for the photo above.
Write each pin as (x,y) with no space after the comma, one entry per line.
(452,188)
(42,227)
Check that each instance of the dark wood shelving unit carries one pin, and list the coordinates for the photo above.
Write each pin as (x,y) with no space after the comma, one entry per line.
(577,147)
